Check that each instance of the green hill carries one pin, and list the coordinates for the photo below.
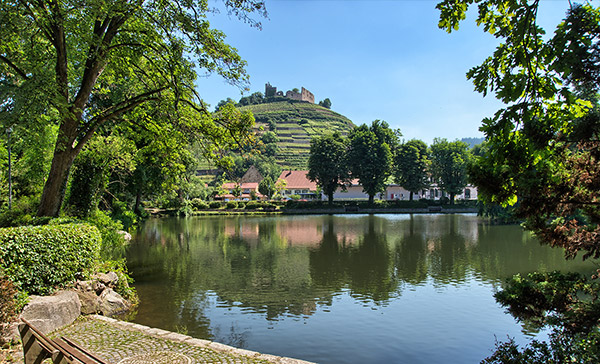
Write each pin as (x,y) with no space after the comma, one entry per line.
(296,123)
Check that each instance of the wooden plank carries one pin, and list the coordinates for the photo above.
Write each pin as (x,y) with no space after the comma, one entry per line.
(35,350)
(37,347)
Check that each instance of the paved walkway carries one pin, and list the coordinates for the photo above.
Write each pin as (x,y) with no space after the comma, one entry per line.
(128,343)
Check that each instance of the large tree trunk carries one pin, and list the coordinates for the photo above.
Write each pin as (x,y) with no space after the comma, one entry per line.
(371,199)
(451,199)
(64,155)
(411,195)
(330,199)
(56,184)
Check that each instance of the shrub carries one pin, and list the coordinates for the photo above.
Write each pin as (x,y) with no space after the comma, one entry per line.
(215,205)
(113,244)
(38,258)
(232,204)
(185,209)
(253,205)
(122,213)
(198,204)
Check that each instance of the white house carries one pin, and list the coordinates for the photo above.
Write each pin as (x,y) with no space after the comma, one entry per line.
(396,192)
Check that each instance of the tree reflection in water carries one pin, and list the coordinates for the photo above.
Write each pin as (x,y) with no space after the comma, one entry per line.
(291,266)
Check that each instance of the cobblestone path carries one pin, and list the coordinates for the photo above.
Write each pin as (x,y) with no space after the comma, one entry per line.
(127,343)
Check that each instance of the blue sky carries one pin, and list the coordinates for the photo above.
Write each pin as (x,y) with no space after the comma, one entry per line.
(374,59)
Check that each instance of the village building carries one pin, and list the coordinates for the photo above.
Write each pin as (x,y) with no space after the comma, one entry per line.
(249,191)
(297,183)
(354,191)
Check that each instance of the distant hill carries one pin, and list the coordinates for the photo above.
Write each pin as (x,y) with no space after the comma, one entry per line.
(296,123)
(472,141)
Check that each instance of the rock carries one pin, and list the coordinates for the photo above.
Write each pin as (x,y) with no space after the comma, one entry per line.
(112,303)
(83,286)
(110,279)
(90,302)
(52,312)
(98,287)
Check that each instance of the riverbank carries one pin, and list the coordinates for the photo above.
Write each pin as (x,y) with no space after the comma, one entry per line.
(316,211)
(124,342)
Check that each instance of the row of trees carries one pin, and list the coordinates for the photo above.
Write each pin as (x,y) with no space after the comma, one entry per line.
(373,154)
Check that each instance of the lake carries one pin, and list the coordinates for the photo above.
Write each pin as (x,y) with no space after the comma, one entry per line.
(338,289)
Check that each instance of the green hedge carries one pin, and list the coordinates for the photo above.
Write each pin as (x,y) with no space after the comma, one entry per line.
(39,258)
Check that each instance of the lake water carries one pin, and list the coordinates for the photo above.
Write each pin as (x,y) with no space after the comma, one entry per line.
(337,289)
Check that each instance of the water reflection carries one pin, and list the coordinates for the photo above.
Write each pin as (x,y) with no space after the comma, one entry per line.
(281,267)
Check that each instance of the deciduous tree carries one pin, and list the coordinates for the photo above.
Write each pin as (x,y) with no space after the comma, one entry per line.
(544,150)
(543,146)
(267,187)
(88,65)
(327,163)
(449,162)
(410,167)
(370,155)
(325,103)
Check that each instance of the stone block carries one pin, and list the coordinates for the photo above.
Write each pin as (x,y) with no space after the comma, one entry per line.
(49,313)
(90,303)
(112,303)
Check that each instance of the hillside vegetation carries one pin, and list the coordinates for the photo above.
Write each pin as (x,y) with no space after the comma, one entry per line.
(295,123)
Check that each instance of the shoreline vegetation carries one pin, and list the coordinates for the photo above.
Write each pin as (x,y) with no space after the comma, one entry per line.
(298,207)
(315,211)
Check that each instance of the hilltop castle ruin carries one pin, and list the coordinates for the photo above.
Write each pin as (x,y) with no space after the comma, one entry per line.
(303,95)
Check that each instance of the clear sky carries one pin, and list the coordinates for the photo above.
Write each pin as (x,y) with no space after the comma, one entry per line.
(373,59)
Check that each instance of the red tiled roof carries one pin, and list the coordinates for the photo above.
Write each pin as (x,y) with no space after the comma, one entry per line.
(243,186)
(298,180)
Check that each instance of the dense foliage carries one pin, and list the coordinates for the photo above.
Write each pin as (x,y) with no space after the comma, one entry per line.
(38,258)
(568,303)
(543,151)
(543,147)
(87,67)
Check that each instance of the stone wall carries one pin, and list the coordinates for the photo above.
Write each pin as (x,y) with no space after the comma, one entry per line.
(307,96)
(303,95)
(293,95)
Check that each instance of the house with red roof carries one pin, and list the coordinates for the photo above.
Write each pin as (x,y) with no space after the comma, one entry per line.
(297,183)
(248,189)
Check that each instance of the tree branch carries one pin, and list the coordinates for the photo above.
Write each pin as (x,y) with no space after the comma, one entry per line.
(115,111)
(14,67)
